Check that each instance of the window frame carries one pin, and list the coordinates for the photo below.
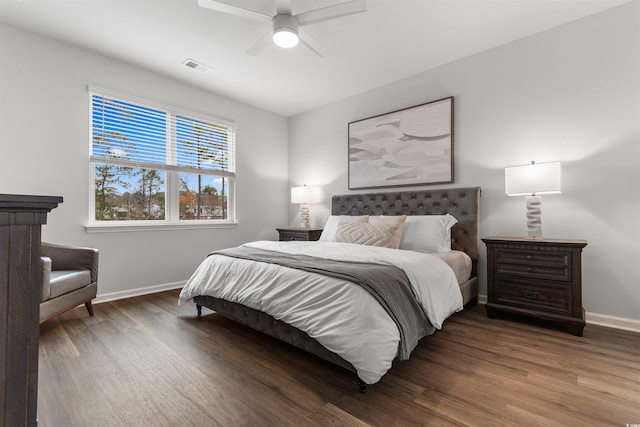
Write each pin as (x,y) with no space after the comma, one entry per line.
(171,172)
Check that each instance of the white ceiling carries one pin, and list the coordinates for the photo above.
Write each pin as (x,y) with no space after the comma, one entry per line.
(393,39)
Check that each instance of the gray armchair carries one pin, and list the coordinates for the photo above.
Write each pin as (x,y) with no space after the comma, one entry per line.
(69,278)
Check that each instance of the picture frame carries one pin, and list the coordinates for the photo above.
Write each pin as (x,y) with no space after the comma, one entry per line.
(412,146)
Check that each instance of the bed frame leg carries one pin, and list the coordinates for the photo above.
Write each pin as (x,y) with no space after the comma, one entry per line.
(199,308)
(362,386)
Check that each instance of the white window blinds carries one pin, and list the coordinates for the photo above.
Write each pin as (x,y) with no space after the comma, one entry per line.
(131,133)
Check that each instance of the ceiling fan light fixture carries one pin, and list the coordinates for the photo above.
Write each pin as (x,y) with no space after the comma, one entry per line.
(285,38)
(285,31)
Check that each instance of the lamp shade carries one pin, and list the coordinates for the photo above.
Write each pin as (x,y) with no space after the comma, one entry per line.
(306,195)
(536,178)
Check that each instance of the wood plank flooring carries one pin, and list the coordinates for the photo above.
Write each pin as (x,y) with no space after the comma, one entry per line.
(146,361)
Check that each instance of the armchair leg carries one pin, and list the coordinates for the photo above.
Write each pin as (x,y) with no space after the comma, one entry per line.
(89,306)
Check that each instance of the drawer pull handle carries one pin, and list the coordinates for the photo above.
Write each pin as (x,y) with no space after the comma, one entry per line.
(530,295)
(529,257)
(529,269)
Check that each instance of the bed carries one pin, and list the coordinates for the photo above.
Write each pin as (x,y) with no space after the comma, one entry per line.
(253,311)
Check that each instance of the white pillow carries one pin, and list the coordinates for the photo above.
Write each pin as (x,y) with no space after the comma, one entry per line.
(427,233)
(330,228)
(397,221)
(377,234)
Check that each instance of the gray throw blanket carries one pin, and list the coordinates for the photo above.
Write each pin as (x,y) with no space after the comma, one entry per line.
(389,285)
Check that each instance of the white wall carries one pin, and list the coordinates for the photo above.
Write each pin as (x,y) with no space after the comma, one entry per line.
(570,94)
(44,149)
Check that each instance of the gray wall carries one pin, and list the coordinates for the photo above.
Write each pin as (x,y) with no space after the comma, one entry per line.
(44,149)
(570,94)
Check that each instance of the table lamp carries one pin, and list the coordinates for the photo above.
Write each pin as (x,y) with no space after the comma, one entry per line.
(305,196)
(533,180)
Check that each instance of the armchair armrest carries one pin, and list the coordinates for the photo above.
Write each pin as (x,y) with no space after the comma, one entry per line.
(46,278)
(72,258)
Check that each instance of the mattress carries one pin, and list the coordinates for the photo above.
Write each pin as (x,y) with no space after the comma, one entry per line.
(459,262)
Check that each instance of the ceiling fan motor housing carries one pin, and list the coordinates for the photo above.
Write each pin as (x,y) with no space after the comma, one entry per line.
(285,30)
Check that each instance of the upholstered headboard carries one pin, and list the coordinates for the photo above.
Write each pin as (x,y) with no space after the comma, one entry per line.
(462,203)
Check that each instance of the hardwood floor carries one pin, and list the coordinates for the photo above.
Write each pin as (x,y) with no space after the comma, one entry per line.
(148,362)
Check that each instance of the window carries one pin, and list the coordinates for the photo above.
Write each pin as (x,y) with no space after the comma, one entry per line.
(158,165)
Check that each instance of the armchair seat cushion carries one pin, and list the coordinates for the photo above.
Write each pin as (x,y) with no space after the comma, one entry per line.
(65,281)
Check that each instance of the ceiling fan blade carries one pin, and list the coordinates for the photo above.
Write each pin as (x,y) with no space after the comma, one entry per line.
(331,12)
(225,7)
(314,45)
(261,44)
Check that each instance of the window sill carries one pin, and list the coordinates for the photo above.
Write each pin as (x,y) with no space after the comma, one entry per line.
(118,227)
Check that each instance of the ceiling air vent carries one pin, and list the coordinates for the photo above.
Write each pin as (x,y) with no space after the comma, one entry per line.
(196,66)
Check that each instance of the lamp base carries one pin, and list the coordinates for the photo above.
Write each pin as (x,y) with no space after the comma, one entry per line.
(534,217)
(305,216)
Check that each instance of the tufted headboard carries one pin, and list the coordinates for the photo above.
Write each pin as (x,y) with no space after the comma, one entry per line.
(462,203)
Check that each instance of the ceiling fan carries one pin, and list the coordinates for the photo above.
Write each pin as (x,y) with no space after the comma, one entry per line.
(286,28)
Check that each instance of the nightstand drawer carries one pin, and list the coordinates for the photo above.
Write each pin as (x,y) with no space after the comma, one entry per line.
(291,235)
(549,297)
(538,264)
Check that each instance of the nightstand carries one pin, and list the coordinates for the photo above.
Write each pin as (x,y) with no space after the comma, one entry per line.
(302,234)
(540,278)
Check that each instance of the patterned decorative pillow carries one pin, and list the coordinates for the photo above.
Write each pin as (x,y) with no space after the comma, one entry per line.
(377,234)
(330,228)
(397,220)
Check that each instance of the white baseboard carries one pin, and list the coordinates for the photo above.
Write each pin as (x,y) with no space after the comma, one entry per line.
(599,319)
(613,322)
(112,296)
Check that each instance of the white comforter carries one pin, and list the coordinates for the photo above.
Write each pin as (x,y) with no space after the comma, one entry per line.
(341,316)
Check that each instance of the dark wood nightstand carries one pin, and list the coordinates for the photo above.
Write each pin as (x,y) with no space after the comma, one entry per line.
(540,278)
(303,234)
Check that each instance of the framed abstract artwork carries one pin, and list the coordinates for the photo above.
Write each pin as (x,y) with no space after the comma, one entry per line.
(413,146)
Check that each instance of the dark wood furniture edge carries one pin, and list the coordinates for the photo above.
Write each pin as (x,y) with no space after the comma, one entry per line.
(573,243)
(23,202)
(308,234)
(298,229)
(21,218)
